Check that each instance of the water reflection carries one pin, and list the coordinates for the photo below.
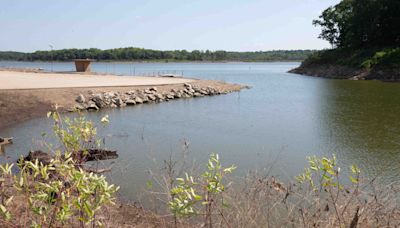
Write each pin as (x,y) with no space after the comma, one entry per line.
(361,118)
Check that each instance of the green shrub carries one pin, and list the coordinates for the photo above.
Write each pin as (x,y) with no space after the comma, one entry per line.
(186,199)
(60,193)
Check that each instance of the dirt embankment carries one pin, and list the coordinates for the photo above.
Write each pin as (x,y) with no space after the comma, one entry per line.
(336,71)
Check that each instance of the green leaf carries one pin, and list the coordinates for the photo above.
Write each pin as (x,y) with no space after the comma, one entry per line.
(353,180)
(149,184)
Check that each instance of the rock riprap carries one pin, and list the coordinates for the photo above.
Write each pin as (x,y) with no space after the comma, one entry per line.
(113,99)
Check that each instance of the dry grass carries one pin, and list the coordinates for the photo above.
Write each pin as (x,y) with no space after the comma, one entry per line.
(252,201)
(258,200)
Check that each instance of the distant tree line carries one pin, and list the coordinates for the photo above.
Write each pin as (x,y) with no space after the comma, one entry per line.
(361,24)
(140,54)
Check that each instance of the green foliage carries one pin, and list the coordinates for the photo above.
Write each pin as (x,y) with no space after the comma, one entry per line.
(140,54)
(365,34)
(5,200)
(3,208)
(12,55)
(385,58)
(367,58)
(324,173)
(213,176)
(61,190)
(355,176)
(77,134)
(185,199)
(361,23)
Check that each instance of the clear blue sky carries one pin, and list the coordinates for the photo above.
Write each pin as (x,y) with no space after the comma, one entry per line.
(237,25)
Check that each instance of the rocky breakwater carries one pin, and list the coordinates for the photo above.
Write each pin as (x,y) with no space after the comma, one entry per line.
(114,99)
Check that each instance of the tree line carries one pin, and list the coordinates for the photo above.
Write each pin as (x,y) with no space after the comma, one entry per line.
(361,24)
(140,54)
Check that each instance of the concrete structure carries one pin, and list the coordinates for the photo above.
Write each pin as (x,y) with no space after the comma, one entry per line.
(82,65)
(24,80)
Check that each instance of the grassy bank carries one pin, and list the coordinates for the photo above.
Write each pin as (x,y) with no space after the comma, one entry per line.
(358,58)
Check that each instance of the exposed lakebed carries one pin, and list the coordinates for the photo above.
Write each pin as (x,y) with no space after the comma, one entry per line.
(282,119)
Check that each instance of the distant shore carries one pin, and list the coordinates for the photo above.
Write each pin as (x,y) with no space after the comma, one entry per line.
(27,95)
(164,61)
(141,54)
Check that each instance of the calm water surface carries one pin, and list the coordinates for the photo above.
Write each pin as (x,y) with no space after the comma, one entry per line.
(279,121)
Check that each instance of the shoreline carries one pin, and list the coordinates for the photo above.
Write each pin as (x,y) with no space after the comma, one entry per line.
(22,104)
(335,71)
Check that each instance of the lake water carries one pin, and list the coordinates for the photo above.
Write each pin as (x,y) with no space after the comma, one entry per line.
(279,121)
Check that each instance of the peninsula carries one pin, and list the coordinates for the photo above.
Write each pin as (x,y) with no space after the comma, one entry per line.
(28,95)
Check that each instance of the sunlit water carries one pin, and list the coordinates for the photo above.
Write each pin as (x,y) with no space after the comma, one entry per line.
(278,122)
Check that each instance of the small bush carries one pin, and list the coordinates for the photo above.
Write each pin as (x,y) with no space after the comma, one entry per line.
(192,197)
(60,193)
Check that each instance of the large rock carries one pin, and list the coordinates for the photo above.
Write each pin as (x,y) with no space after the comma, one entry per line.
(131,97)
(110,94)
(159,96)
(98,100)
(130,102)
(138,100)
(91,106)
(80,99)
(171,96)
(178,95)
(151,97)
(118,101)
(148,91)
(5,141)
(204,92)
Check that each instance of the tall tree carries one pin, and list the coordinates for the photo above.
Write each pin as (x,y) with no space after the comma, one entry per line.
(361,23)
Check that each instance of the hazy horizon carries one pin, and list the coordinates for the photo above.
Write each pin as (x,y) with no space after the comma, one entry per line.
(256,25)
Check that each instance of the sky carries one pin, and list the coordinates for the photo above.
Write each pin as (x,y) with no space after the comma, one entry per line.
(233,25)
